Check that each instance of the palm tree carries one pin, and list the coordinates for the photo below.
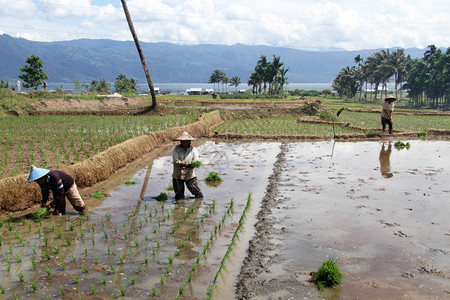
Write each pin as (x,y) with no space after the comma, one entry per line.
(398,61)
(254,81)
(235,81)
(262,70)
(359,74)
(141,54)
(214,78)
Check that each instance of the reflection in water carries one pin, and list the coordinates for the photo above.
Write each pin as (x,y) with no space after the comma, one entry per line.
(385,163)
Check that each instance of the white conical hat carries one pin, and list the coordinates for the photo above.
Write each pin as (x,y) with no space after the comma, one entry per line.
(185,137)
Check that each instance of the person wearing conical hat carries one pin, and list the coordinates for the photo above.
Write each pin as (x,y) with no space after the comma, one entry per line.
(386,113)
(62,186)
(183,174)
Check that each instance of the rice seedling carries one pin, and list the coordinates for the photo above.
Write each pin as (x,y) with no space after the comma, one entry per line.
(63,264)
(122,290)
(2,290)
(18,258)
(401,145)
(422,134)
(162,279)
(196,164)
(57,249)
(103,279)
(71,226)
(133,280)
(33,263)
(154,290)
(98,195)
(49,272)
(47,255)
(61,288)
(7,265)
(74,259)
(161,197)
(86,269)
(93,289)
(21,277)
(76,278)
(58,233)
(130,182)
(327,275)
(10,226)
(112,269)
(213,177)
(19,237)
(33,285)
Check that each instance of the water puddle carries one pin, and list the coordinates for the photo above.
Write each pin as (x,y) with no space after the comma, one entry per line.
(382,215)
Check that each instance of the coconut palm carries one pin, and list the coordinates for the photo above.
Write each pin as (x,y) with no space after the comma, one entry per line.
(141,54)
(235,81)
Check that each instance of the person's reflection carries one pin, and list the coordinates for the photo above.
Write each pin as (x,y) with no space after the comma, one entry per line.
(385,163)
(185,215)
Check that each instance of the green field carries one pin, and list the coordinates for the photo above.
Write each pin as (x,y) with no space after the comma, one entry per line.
(52,141)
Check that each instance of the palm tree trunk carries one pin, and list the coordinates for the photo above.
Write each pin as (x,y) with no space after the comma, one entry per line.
(141,54)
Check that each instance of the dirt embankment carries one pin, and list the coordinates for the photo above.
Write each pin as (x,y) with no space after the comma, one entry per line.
(17,195)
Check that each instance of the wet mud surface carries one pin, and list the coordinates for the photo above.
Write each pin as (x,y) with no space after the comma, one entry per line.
(378,211)
(381,214)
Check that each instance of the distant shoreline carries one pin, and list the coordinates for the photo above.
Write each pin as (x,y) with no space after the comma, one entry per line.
(180,88)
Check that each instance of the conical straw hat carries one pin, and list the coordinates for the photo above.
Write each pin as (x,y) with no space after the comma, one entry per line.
(36,173)
(185,137)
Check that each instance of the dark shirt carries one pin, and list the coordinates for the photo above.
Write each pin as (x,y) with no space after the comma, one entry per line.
(58,182)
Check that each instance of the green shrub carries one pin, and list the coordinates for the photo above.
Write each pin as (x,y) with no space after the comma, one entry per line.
(328,274)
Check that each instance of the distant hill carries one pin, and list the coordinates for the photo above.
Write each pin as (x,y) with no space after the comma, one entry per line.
(88,60)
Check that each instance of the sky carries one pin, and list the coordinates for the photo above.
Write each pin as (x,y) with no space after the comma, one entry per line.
(312,25)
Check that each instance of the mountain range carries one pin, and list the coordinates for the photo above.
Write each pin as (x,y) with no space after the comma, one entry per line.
(97,59)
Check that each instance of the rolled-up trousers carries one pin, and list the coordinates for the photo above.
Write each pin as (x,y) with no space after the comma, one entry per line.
(191,184)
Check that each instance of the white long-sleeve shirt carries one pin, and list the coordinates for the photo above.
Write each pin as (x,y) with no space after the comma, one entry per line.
(388,108)
(179,156)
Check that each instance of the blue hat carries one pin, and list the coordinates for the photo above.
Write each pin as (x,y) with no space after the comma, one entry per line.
(36,173)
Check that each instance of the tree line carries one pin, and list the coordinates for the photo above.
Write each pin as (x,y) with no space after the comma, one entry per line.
(33,75)
(425,80)
(268,77)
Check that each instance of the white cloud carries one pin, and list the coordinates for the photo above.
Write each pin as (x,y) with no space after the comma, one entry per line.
(311,25)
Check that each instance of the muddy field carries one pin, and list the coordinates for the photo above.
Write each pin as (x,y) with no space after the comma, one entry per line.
(380,212)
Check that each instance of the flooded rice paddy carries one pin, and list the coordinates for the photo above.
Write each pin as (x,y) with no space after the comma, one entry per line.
(379,211)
